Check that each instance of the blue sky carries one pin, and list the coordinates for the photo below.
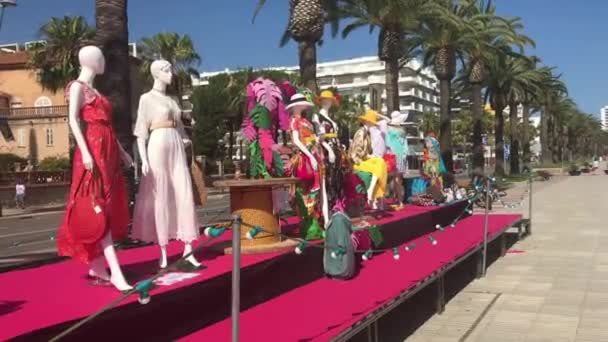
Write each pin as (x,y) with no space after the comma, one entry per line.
(572,35)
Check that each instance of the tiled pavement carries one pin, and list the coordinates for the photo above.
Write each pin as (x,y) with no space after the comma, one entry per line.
(552,287)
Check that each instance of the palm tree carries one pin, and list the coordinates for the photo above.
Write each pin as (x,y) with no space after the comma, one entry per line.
(56,60)
(306,23)
(179,51)
(112,35)
(486,35)
(394,18)
(552,89)
(505,73)
(441,38)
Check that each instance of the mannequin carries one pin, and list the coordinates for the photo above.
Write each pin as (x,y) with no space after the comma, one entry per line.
(95,161)
(327,129)
(364,161)
(308,163)
(396,141)
(164,208)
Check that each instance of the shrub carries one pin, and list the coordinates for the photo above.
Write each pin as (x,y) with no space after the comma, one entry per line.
(54,164)
(8,160)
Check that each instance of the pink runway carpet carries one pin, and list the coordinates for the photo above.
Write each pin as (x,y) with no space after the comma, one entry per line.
(46,296)
(322,309)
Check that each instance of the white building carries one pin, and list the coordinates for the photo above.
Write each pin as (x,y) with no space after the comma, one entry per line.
(604,118)
(365,76)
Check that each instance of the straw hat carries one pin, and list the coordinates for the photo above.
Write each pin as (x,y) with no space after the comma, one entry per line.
(298,100)
(398,118)
(371,116)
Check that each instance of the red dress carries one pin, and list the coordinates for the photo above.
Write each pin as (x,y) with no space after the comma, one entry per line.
(103,147)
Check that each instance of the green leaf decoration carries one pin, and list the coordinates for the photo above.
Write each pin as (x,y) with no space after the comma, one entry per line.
(376,235)
(312,230)
(260,117)
(257,167)
(300,204)
(278,165)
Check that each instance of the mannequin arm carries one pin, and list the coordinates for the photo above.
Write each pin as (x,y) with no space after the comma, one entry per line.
(143,154)
(295,138)
(76,100)
(330,152)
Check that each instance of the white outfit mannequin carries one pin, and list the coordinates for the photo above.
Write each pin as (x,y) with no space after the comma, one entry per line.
(92,63)
(165,205)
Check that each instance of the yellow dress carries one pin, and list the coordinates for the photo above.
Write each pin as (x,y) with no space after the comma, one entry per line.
(360,151)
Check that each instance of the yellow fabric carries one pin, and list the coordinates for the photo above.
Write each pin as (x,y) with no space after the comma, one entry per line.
(330,135)
(370,116)
(377,167)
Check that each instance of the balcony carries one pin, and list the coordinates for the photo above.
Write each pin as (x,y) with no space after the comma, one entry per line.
(33,112)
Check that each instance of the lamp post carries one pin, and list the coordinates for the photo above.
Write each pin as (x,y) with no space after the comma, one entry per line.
(3,5)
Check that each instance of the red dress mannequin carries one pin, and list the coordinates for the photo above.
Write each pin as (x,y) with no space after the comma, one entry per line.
(103,147)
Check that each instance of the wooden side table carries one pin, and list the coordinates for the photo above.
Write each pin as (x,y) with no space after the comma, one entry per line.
(252,200)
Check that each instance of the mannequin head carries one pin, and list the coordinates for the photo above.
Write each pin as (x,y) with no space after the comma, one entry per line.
(91,57)
(327,99)
(161,70)
(298,105)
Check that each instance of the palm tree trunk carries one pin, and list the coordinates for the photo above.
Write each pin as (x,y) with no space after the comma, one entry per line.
(112,35)
(392,85)
(525,134)
(544,136)
(308,64)
(445,126)
(478,152)
(499,150)
(514,139)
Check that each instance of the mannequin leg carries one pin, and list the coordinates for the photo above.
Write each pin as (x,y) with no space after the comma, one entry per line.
(116,278)
(325,203)
(98,269)
(370,192)
(399,190)
(191,258)
(163,257)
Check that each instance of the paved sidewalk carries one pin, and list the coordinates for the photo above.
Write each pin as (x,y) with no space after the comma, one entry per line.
(553,288)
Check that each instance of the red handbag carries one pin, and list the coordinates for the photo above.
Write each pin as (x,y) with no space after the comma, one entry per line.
(88,216)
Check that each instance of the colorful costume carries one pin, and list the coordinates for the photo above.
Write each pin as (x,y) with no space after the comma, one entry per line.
(396,141)
(433,167)
(109,187)
(301,164)
(360,151)
(327,129)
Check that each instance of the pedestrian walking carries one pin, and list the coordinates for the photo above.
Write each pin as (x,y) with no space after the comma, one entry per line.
(20,194)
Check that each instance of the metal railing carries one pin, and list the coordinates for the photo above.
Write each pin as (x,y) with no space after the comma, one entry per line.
(33,112)
(36,177)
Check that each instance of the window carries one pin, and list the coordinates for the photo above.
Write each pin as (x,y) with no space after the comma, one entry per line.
(50,139)
(43,101)
(21,137)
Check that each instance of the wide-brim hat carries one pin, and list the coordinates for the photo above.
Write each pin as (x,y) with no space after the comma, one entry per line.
(398,118)
(298,100)
(371,116)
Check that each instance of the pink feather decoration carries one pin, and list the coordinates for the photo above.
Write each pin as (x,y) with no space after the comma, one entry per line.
(266,93)
(283,117)
(287,88)
(250,97)
(248,129)
(266,143)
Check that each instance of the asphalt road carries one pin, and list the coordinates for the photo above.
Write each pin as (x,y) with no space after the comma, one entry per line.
(30,237)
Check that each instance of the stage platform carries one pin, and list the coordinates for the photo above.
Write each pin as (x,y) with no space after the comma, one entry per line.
(36,304)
